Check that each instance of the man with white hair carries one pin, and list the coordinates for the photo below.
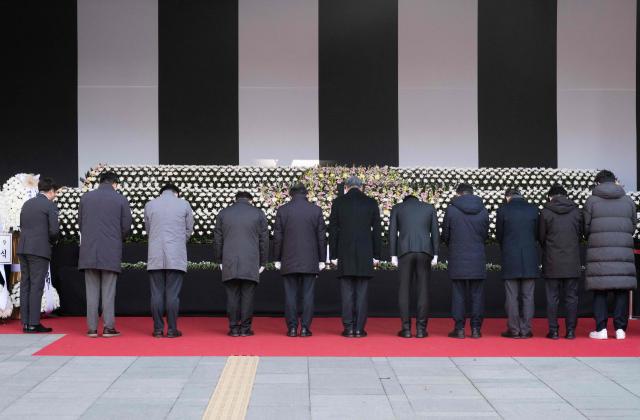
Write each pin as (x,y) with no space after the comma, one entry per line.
(354,246)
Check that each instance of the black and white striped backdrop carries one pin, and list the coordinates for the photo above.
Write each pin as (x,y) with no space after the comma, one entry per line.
(401,82)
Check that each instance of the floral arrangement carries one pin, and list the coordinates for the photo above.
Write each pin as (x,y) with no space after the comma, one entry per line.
(16,191)
(45,306)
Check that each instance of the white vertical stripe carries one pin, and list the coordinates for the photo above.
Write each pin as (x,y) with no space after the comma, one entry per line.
(438,82)
(278,80)
(117,82)
(597,86)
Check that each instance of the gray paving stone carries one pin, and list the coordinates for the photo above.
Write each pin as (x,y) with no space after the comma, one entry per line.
(283,395)
(278,413)
(282,378)
(536,410)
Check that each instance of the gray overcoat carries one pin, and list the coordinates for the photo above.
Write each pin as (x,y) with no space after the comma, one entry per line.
(169,224)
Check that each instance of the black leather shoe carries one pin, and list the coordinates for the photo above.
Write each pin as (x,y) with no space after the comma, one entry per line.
(92,333)
(35,329)
(174,334)
(360,334)
(422,334)
(571,335)
(475,333)
(293,332)
(233,332)
(347,333)
(305,332)
(25,327)
(456,333)
(527,335)
(509,334)
(110,332)
(404,333)
(158,333)
(553,335)
(246,333)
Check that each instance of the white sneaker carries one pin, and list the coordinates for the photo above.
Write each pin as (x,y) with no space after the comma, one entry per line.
(620,334)
(599,335)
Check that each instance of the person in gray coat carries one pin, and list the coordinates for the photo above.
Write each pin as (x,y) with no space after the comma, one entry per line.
(299,248)
(105,220)
(38,229)
(609,224)
(241,247)
(414,236)
(169,224)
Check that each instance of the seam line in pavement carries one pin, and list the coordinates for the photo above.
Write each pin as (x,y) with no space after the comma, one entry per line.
(608,377)
(230,399)
(477,389)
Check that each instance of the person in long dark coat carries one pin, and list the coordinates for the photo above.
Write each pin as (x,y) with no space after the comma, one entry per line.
(609,223)
(354,245)
(414,236)
(517,233)
(241,247)
(39,228)
(465,229)
(300,251)
(560,231)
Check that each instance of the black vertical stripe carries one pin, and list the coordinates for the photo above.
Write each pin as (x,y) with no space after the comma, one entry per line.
(198,81)
(637,98)
(517,123)
(39,99)
(358,81)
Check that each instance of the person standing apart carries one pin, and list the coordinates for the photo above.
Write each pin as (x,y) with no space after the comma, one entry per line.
(609,223)
(517,233)
(299,248)
(241,247)
(560,233)
(39,228)
(354,246)
(465,229)
(105,220)
(168,220)
(414,237)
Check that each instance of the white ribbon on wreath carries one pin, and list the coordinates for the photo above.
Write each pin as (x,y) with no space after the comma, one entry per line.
(6,307)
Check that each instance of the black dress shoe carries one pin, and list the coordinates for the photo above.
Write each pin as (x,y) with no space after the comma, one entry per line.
(509,334)
(404,333)
(456,333)
(360,334)
(25,327)
(110,332)
(527,335)
(35,329)
(234,332)
(305,332)
(422,334)
(553,335)
(475,333)
(571,335)
(293,332)
(158,333)
(246,333)
(347,333)
(92,333)
(174,334)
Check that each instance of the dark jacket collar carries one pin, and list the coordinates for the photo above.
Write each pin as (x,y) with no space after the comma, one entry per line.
(243,201)
(299,196)
(354,191)
(106,185)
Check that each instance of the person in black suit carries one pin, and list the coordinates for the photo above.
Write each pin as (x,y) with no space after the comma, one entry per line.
(417,249)
(354,246)
(560,234)
(299,248)
(465,229)
(517,233)
(39,228)
(241,247)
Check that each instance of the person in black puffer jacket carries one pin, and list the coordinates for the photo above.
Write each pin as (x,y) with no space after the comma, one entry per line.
(465,229)
(560,231)
(609,224)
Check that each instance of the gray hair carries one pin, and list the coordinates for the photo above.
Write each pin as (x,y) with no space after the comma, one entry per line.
(353,181)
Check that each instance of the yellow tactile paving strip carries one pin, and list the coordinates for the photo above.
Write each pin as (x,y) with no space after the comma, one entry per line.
(231,397)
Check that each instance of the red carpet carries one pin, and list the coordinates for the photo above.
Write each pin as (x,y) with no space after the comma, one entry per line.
(207,337)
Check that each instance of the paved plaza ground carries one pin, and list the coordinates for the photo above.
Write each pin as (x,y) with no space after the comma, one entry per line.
(61,387)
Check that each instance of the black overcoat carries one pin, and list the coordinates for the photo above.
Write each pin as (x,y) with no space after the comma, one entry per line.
(560,231)
(517,233)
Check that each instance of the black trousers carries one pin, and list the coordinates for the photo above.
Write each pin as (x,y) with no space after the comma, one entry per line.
(240,303)
(458,301)
(303,283)
(553,288)
(354,302)
(620,309)
(165,296)
(414,265)
(33,272)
